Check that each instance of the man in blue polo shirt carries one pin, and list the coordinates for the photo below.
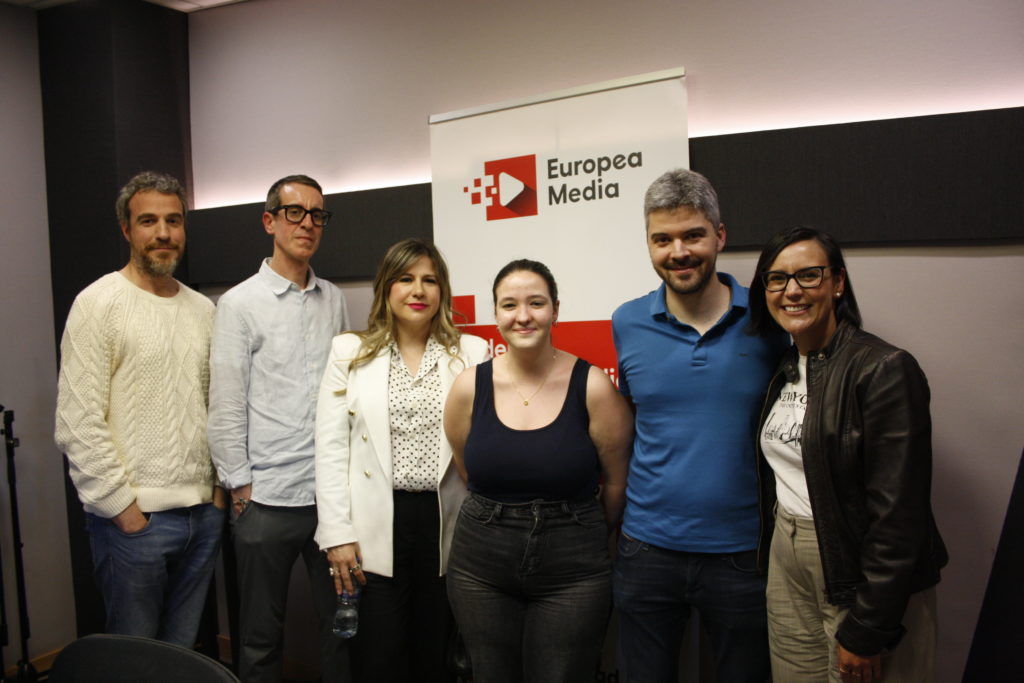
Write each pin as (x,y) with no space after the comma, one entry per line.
(697,381)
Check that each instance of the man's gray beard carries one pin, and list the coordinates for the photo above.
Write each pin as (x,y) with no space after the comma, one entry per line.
(154,268)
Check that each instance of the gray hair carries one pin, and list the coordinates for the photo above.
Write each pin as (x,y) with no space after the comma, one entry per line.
(143,182)
(682,187)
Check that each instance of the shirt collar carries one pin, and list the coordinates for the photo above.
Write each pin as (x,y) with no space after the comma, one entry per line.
(279,284)
(431,355)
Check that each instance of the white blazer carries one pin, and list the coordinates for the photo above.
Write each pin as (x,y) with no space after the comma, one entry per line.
(354,479)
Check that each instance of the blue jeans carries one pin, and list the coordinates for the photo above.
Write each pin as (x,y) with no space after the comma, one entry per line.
(530,587)
(154,581)
(654,591)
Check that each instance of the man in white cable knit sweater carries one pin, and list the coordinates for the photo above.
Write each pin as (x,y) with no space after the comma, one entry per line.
(131,417)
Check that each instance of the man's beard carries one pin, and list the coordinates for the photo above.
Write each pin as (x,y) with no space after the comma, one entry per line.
(694,284)
(153,267)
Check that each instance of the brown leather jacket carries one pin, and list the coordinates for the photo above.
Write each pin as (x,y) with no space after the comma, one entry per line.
(867,454)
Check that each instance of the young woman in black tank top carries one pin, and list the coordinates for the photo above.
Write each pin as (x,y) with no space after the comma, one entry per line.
(530,574)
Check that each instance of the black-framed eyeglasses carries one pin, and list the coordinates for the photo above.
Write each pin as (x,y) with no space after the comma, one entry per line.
(294,213)
(807,278)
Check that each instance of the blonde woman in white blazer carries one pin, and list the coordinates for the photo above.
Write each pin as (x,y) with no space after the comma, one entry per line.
(387,491)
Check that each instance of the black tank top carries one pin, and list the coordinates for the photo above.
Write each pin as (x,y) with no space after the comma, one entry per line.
(555,462)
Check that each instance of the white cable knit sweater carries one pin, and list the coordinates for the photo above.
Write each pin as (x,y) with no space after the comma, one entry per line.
(132,397)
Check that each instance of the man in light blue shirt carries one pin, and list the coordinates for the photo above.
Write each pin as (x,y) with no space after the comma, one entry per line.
(271,339)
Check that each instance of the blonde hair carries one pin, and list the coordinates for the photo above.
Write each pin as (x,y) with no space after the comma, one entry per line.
(380,325)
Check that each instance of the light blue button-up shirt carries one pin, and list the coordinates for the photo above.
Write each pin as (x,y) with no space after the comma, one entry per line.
(270,344)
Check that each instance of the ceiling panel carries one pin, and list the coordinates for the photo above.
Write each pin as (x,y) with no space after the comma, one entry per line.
(180,5)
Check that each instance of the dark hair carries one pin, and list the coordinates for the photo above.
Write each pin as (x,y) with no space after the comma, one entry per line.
(682,187)
(274,193)
(761,321)
(144,182)
(526,264)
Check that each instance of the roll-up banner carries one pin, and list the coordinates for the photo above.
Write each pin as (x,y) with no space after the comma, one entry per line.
(557,178)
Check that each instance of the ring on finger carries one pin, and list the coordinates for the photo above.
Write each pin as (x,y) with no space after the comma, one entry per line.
(331,570)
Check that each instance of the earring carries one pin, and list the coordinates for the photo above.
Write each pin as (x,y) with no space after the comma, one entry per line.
(838,294)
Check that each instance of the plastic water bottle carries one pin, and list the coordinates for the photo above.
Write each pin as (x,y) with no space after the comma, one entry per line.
(346,616)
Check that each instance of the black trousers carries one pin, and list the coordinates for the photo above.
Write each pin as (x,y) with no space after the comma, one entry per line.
(268,540)
(404,620)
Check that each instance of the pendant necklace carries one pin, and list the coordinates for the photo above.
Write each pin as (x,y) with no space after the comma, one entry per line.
(527,399)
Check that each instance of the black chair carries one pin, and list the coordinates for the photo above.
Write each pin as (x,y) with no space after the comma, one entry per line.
(101,658)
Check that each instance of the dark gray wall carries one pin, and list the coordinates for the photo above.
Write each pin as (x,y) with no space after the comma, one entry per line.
(28,377)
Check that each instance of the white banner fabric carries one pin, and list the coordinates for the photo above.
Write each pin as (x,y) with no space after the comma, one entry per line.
(560,181)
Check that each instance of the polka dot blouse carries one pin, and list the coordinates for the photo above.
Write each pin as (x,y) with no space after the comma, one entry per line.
(415,407)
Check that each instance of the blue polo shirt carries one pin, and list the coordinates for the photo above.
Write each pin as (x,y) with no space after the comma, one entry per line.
(693,475)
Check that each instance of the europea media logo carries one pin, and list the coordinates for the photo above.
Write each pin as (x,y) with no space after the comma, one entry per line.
(508,188)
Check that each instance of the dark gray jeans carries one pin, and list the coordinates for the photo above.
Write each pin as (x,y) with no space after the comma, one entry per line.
(530,585)
(268,540)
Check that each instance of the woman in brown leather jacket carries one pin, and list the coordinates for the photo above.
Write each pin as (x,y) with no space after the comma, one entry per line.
(845,443)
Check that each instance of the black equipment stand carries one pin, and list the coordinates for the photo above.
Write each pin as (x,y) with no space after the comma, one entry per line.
(26,672)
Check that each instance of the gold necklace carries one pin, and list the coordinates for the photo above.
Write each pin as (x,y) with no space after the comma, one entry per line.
(527,399)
